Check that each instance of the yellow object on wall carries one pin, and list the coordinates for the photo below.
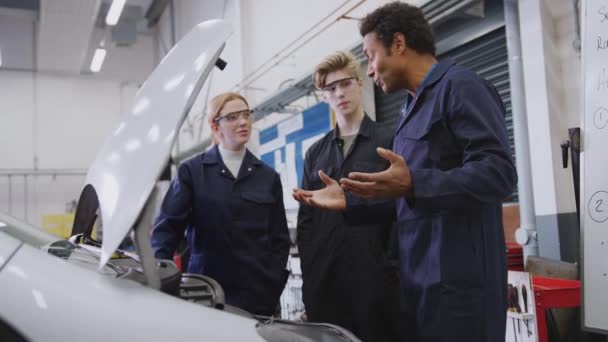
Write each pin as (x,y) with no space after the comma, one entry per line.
(61,225)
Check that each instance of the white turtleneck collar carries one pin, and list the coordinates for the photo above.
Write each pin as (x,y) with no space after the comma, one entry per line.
(232,159)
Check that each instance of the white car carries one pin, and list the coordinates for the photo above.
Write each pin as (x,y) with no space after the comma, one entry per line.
(58,290)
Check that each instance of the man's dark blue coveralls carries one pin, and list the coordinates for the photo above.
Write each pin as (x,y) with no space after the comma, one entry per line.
(454,140)
(451,242)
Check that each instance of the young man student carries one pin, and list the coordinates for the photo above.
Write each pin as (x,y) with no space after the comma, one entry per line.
(344,265)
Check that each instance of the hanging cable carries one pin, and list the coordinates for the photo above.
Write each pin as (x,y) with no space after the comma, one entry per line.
(343,16)
(245,81)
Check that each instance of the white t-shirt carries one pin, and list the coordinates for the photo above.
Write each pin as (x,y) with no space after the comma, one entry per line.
(232,159)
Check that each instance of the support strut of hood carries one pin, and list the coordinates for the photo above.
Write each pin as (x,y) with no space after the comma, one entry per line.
(141,238)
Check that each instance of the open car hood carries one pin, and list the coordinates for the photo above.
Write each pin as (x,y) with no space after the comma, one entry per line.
(132,159)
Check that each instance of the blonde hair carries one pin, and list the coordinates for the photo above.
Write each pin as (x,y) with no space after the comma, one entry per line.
(216,105)
(339,60)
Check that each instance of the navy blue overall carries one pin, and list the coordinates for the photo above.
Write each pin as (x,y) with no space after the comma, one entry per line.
(452,250)
(236,228)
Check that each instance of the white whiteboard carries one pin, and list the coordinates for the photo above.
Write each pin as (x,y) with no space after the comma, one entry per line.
(594,164)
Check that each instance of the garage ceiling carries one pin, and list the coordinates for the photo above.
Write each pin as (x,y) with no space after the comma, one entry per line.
(64,32)
(56,35)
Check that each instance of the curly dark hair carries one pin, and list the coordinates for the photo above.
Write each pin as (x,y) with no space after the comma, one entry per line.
(400,17)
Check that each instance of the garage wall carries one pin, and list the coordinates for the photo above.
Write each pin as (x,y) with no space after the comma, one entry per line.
(16,113)
(52,125)
(17,31)
(563,81)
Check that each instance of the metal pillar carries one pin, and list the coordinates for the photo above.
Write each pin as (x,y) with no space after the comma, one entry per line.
(526,234)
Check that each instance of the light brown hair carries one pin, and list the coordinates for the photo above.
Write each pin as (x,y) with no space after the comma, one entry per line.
(217,103)
(339,60)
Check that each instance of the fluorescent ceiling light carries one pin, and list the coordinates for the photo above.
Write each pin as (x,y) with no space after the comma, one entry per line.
(97,60)
(0,57)
(114,12)
(2,224)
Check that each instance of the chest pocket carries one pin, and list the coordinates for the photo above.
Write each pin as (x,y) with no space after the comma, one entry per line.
(420,126)
(425,141)
(369,167)
(256,207)
(316,182)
